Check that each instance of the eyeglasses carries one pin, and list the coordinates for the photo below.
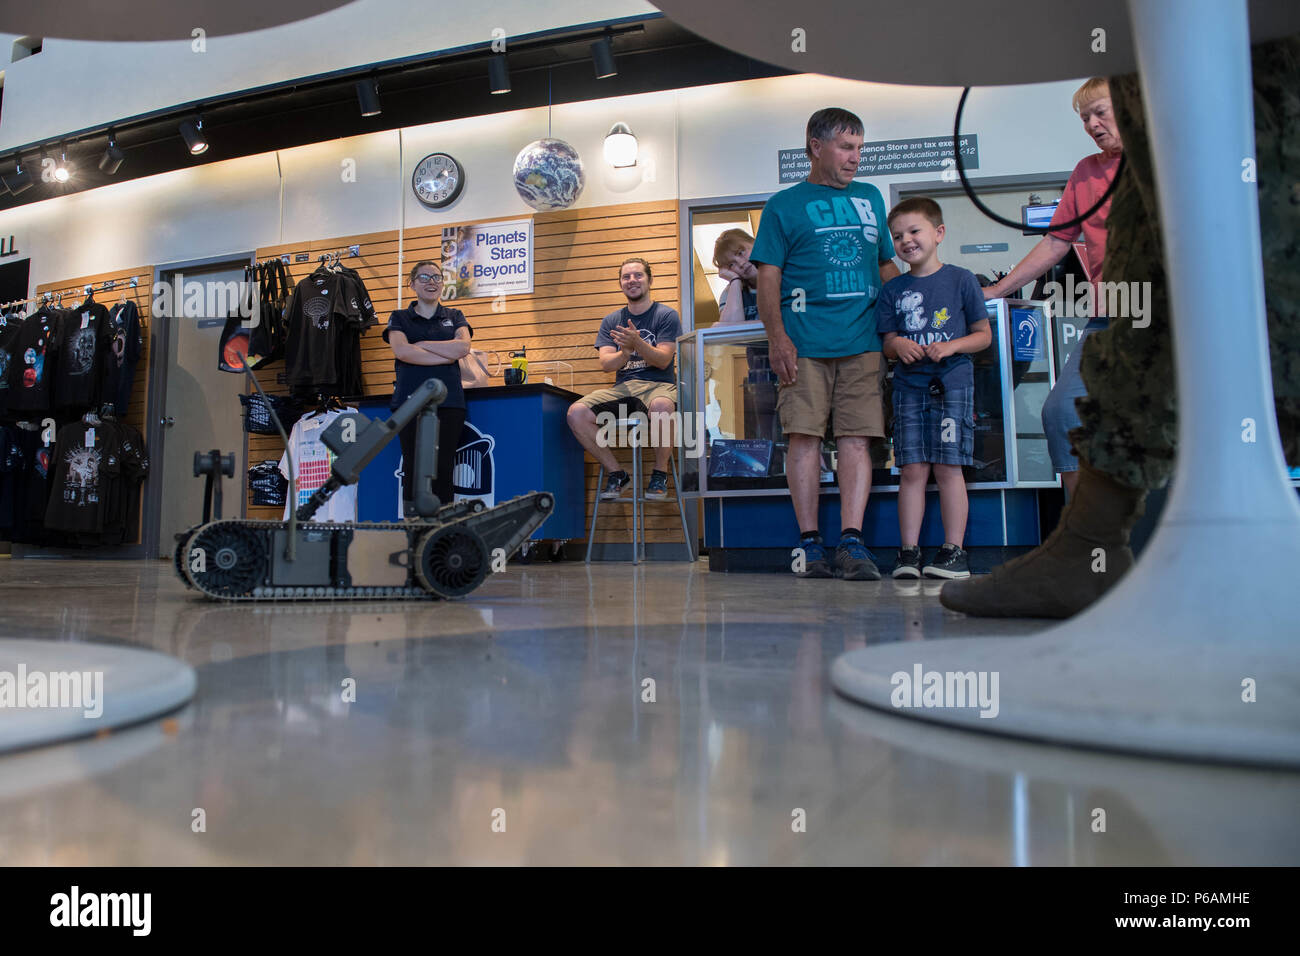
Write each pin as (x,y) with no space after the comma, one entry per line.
(429,277)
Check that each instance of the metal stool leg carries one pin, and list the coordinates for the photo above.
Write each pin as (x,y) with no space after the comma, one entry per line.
(637,504)
(681,510)
(595,510)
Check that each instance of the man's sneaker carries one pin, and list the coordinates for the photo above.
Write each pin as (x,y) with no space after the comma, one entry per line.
(615,486)
(854,562)
(815,563)
(949,562)
(657,489)
(909,563)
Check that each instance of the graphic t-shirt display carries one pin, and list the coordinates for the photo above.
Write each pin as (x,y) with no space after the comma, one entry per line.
(119,354)
(939,307)
(10,326)
(83,455)
(658,325)
(81,336)
(32,365)
(324,320)
(311,462)
(829,244)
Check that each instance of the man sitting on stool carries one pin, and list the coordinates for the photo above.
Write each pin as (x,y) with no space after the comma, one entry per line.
(639,344)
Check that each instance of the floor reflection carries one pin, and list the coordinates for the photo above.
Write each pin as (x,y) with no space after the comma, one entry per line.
(606,714)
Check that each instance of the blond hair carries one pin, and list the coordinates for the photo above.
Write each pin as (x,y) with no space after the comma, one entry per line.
(733,240)
(1094,89)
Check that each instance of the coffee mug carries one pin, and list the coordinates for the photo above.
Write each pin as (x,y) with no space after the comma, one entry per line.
(515,376)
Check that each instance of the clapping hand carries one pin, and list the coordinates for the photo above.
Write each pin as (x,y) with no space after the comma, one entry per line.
(628,339)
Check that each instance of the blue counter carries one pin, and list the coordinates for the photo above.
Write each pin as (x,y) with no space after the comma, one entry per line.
(516,440)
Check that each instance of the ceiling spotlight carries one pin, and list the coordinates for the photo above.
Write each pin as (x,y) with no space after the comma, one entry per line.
(620,146)
(20,180)
(111,161)
(368,97)
(602,56)
(61,171)
(499,74)
(194,139)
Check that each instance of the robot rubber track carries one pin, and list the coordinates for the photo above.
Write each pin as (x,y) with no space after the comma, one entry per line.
(448,556)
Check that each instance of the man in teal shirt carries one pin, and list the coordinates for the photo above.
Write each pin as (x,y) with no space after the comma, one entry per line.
(823,252)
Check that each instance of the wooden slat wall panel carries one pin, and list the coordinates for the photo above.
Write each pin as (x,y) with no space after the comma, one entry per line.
(575,276)
(74,294)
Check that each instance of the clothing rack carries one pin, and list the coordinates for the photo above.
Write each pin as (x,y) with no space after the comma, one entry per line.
(337,254)
(56,296)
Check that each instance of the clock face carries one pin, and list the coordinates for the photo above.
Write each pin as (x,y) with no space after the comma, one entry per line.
(437,180)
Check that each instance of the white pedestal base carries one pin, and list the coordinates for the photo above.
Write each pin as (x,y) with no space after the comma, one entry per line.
(1156,667)
(136,685)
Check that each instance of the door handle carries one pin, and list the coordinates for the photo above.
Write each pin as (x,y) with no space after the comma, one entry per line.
(168,421)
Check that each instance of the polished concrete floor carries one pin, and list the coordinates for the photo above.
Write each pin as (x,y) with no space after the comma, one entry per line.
(516,727)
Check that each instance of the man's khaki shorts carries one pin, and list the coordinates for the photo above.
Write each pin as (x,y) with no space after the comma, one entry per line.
(636,388)
(847,389)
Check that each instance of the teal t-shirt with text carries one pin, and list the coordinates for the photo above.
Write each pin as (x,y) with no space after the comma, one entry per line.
(829,243)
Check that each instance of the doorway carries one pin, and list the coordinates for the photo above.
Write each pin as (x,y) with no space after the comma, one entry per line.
(197,404)
(971,239)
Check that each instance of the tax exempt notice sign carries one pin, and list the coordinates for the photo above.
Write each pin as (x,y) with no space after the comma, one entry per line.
(494,258)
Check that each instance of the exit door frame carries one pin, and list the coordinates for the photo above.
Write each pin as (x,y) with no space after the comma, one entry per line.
(159,367)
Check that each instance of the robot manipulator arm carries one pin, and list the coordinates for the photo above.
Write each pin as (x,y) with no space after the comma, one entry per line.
(356,439)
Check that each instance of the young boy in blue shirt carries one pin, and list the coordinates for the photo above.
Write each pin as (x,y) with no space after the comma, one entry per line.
(930,320)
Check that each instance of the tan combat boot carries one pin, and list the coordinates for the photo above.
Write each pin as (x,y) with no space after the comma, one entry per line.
(1063,575)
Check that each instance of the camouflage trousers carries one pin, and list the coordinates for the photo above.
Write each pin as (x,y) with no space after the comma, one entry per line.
(1130,417)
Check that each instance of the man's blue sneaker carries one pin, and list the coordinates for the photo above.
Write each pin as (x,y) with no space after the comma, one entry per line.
(657,489)
(815,563)
(854,562)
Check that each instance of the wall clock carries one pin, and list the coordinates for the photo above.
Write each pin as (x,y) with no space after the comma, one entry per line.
(437,180)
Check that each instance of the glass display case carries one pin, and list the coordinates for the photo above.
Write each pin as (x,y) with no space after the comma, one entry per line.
(727,384)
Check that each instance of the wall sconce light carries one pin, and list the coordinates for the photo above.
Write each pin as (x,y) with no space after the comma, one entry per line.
(620,146)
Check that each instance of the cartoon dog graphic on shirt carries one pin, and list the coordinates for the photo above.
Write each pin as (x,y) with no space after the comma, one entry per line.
(912,308)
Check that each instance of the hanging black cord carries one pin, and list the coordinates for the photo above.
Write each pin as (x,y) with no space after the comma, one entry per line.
(1020,226)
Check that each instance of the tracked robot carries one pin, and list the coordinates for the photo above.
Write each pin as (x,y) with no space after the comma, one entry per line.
(445,553)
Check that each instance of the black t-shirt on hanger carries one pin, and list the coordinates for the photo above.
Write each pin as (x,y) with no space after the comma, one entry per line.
(85,455)
(122,347)
(80,344)
(35,353)
(10,326)
(315,317)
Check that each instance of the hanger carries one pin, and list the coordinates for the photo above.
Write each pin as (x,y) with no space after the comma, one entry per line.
(90,418)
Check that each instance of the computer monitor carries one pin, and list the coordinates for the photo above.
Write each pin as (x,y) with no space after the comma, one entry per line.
(1037,216)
